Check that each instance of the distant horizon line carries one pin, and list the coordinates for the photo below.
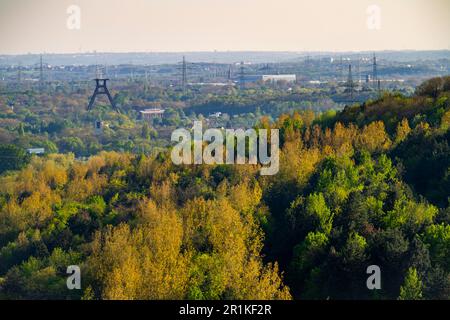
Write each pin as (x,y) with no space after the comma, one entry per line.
(225,51)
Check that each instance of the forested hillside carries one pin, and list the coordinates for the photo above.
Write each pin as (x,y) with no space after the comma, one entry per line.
(369,185)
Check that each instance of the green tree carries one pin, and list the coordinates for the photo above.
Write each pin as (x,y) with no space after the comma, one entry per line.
(317,207)
(145,132)
(21,130)
(412,287)
(12,158)
(431,87)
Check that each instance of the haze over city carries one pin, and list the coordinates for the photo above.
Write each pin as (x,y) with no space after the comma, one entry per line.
(28,26)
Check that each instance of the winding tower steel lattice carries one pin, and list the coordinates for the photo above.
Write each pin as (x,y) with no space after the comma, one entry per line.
(101,89)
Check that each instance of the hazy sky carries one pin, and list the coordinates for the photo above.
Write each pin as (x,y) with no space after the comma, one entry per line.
(206,25)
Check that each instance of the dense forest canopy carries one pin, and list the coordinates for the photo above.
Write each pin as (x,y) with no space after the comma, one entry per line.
(368,185)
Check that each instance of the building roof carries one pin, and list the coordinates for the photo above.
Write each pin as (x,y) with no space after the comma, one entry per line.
(215,115)
(152,111)
(279,77)
(36,150)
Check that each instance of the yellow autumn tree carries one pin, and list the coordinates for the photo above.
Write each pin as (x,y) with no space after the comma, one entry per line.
(445,121)
(297,163)
(144,262)
(225,248)
(343,138)
(403,130)
(373,137)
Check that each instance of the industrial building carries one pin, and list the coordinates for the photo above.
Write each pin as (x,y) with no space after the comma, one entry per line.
(268,78)
(149,114)
(36,150)
(279,77)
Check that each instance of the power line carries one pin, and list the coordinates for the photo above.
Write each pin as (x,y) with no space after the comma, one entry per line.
(19,72)
(350,84)
(184,74)
(41,74)
(374,68)
(242,75)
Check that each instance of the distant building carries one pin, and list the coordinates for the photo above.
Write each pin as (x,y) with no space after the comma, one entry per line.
(36,151)
(269,78)
(98,126)
(149,114)
(279,77)
(317,82)
(215,115)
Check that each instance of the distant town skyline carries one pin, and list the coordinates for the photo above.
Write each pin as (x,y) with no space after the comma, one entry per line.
(72,26)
